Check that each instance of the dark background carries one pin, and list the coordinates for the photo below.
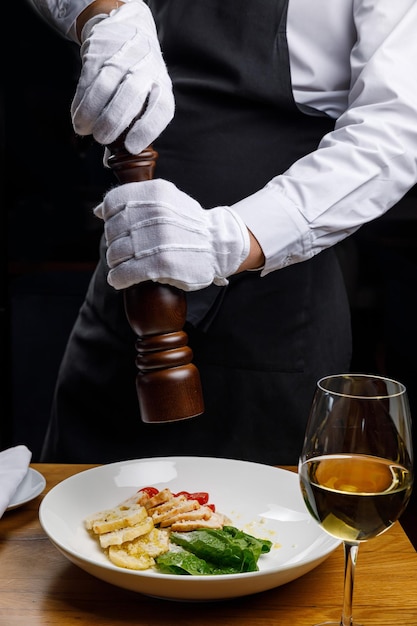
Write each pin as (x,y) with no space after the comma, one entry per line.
(52,180)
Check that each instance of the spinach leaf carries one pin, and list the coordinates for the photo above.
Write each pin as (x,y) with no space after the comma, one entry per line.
(184,562)
(224,551)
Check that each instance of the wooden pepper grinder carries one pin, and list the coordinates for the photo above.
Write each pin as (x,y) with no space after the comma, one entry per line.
(167,383)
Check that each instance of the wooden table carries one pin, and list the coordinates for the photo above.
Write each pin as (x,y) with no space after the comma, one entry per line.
(39,586)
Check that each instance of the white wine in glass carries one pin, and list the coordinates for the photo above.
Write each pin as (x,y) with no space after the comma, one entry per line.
(356,465)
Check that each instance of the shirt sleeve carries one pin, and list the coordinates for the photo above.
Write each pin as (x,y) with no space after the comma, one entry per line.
(62,14)
(363,167)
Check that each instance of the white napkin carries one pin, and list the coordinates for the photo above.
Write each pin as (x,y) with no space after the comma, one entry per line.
(14,463)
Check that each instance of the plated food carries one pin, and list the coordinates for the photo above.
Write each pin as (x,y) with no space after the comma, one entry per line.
(177,533)
(258,499)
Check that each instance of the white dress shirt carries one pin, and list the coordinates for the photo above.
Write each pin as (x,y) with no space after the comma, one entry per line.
(355,60)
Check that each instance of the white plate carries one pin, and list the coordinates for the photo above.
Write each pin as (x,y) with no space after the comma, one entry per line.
(31,486)
(259,499)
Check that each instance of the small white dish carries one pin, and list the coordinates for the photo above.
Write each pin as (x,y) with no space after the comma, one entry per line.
(260,499)
(31,486)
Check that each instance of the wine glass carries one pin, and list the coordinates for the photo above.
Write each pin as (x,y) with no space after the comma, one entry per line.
(356,465)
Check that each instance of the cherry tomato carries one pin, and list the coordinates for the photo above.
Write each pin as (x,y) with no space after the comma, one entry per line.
(202,497)
(151,491)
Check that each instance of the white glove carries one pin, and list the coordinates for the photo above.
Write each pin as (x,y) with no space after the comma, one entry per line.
(122,68)
(156,232)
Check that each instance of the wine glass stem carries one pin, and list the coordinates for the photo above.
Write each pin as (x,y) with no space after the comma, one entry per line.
(351,554)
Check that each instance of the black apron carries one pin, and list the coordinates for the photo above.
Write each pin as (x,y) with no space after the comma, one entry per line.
(260,343)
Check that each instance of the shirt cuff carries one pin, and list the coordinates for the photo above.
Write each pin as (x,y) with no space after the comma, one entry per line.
(281,230)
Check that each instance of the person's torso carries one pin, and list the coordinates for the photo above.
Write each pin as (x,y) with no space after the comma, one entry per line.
(236,123)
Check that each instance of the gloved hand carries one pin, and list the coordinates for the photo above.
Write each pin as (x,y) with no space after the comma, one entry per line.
(122,68)
(156,232)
